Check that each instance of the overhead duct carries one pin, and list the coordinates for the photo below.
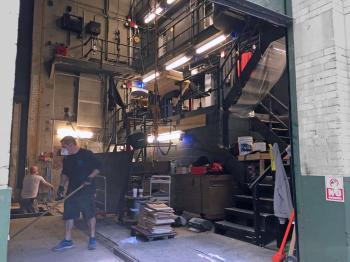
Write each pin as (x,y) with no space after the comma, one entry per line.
(227,21)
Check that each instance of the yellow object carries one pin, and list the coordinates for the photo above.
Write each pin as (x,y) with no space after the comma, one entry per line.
(137,39)
(273,161)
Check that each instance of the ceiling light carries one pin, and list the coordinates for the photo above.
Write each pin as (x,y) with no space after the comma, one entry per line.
(177,63)
(169,2)
(150,77)
(165,136)
(211,44)
(62,132)
(194,71)
(159,10)
(150,16)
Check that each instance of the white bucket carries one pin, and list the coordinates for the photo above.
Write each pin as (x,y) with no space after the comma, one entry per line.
(245,145)
(259,146)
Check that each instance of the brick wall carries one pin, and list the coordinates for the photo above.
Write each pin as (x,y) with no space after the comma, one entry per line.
(321,33)
(42,107)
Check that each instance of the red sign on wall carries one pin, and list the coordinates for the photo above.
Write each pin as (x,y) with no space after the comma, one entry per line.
(334,188)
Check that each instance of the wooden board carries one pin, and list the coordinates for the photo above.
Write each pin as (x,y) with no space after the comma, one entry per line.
(135,230)
(256,156)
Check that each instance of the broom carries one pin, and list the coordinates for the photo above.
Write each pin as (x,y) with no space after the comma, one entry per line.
(281,255)
(46,212)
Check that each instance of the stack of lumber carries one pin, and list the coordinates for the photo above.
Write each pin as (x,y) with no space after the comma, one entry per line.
(156,218)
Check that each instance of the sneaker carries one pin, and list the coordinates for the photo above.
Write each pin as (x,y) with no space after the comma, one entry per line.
(64,244)
(92,243)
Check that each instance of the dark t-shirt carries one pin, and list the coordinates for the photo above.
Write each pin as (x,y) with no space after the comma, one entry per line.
(78,167)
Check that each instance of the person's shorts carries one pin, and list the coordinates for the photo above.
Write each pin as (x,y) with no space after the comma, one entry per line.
(84,203)
(29,205)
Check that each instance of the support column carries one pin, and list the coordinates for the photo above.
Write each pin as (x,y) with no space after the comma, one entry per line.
(8,16)
(320,99)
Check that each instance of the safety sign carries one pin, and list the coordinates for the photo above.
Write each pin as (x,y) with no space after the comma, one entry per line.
(334,188)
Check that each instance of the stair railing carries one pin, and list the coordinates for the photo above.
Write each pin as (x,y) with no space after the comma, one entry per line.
(253,186)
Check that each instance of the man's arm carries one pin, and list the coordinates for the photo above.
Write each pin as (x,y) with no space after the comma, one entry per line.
(63,180)
(60,191)
(46,184)
(93,174)
(96,164)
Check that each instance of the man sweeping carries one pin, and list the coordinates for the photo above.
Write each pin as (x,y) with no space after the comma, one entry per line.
(80,166)
(31,184)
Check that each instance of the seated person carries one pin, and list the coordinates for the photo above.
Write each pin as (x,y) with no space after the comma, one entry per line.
(30,189)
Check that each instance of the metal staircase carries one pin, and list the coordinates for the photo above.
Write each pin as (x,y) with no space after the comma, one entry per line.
(249,93)
(251,218)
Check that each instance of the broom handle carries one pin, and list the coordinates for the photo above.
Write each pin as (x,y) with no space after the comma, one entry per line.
(292,243)
(284,241)
(46,212)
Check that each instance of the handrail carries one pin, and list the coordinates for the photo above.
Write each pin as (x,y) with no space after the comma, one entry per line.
(108,41)
(165,29)
(263,175)
(274,115)
(278,101)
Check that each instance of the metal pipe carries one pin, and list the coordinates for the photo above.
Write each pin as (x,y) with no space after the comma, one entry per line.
(278,101)
(275,116)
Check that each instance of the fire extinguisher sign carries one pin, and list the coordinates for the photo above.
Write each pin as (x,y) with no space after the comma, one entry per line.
(334,188)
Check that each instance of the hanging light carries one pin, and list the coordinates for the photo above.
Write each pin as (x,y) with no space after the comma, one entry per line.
(194,71)
(164,137)
(150,77)
(152,15)
(149,17)
(62,132)
(178,62)
(211,44)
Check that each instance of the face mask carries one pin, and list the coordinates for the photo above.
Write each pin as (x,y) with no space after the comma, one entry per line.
(64,152)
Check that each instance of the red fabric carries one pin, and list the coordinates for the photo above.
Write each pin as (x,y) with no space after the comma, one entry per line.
(199,170)
(216,167)
(61,50)
(245,57)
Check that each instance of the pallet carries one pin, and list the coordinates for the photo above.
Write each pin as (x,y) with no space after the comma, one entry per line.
(135,230)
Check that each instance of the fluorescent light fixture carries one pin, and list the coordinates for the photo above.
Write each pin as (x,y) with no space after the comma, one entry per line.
(165,136)
(211,44)
(159,10)
(149,17)
(178,62)
(62,132)
(169,2)
(150,77)
(152,15)
(194,71)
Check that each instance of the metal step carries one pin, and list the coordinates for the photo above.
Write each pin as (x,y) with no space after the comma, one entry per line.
(248,197)
(244,212)
(233,226)
(279,129)
(236,231)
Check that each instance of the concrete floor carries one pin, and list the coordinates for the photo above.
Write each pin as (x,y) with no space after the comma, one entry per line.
(187,246)
(34,244)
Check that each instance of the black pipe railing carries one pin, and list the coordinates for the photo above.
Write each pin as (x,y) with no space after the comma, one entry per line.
(97,45)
